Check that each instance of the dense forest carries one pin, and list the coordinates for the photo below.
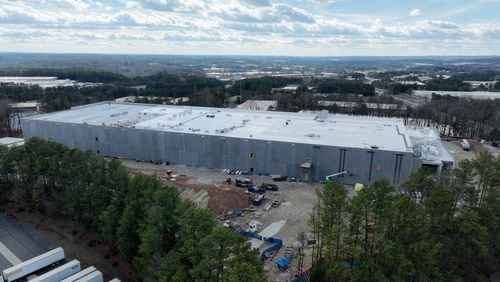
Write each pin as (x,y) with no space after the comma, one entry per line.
(454,117)
(439,229)
(148,224)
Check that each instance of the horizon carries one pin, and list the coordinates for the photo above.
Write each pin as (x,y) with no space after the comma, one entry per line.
(291,28)
(250,55)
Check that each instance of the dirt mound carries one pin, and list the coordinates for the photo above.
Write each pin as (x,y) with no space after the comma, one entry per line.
(218,198)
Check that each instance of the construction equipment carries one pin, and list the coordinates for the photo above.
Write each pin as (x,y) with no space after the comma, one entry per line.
(275,203)
(168,174)
(227,181)
(328,178)
(358,187)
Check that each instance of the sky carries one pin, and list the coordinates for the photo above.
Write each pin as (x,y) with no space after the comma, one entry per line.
(252,27)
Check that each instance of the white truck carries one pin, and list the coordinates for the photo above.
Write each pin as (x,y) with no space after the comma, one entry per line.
(465,144)
(27,267)
(59,273)
(80,274)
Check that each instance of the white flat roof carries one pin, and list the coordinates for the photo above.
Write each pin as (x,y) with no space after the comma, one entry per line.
(307,128)
(6,141)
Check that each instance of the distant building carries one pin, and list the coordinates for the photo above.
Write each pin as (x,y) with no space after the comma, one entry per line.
(483,84)
(427,145)
(45,81)
(259,105)
(28,106)
(289,89)
(11,142)
(478,95)
(412,82)
(168,100)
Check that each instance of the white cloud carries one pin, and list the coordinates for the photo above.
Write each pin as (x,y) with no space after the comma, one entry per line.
(258,3)
(228,26)
(171,5)
(415,12)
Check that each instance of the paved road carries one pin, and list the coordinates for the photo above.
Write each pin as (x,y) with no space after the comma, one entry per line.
(457,152)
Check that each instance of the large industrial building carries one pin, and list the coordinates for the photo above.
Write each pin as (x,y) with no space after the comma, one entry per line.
(304,145)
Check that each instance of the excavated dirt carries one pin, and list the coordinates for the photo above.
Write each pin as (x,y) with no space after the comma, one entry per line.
(219,198)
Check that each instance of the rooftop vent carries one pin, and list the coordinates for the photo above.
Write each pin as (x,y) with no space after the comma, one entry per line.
(312,135)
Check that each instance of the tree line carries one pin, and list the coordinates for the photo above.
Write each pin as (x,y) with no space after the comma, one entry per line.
(461,117)
(440,229)
(78,74)
(148,224)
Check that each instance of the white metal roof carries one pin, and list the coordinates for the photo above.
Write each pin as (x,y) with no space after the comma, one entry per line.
(308,128)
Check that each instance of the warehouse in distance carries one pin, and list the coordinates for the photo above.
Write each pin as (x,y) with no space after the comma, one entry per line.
(309,146)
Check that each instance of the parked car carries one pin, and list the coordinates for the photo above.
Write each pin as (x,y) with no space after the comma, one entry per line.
(268,186)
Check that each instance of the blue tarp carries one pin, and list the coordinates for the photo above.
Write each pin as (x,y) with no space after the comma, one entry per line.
(277,243)
(282,262)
